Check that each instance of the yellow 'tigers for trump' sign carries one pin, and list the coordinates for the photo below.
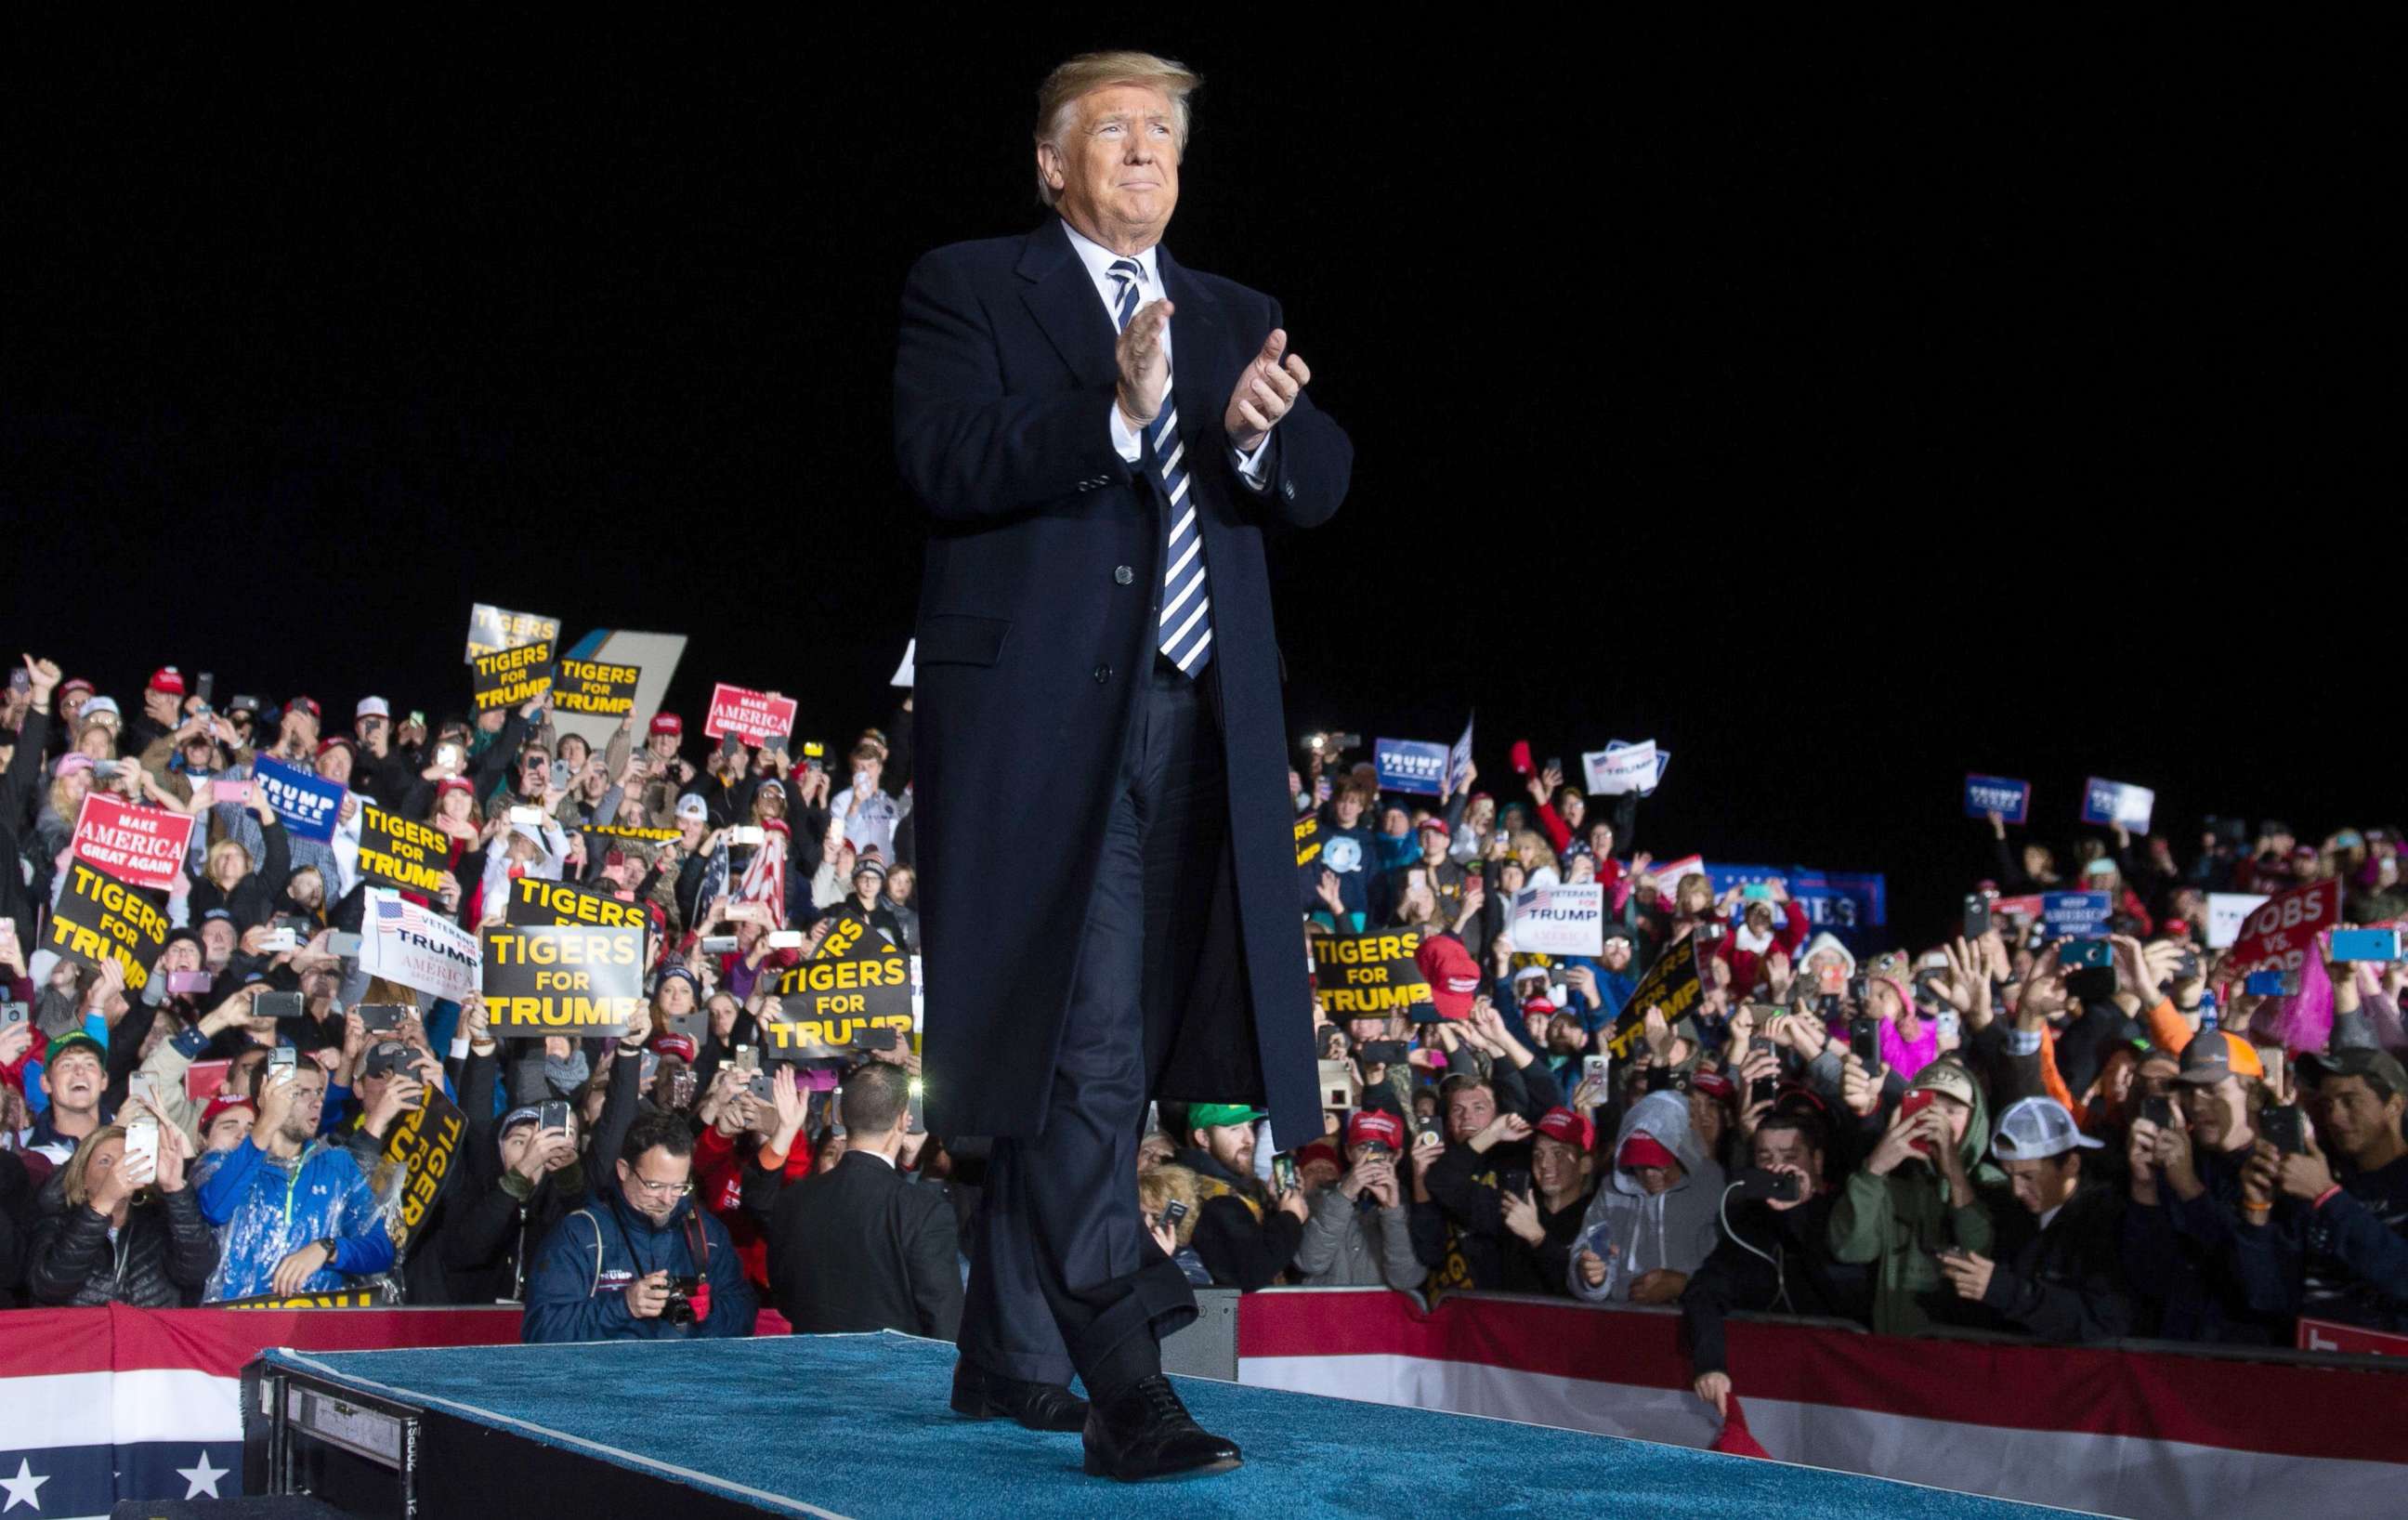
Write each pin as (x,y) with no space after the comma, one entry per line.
(858,982)
(563,979)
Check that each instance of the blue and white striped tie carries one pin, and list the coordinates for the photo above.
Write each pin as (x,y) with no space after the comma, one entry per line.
(1184,631)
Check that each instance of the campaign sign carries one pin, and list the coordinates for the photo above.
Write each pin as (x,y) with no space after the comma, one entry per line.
(535,903)
(141,845)
(595,686)
(1307,839)
(1559,920)
(2226,912)
(2356,1339)
(492,628)
(402,851)
(1615,772)
(1670,984)
(754,717)
(1648,779)
(858,982)
(563,979)
(1367,976)
(310,807)
(2117,802)
(1668,874)
(1986,795)
(1411,764)
(622,831)
(2281,933)
(509,678)
(1835,900)
(332,1298)
(2081,914)
(98,919)
(1458,762)
(423,1142)
(417,946)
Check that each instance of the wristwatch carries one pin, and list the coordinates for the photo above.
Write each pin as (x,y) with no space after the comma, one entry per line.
(329,1243)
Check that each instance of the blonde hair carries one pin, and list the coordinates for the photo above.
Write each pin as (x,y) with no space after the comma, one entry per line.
(1531,849)
(219,851)
(1059,95)
(74,1176)
(1158,1186)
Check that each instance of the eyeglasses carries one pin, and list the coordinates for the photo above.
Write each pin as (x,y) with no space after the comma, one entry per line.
(642,1184)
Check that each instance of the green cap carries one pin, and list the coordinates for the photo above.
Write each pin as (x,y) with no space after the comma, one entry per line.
(75,1039)
(1213,1115)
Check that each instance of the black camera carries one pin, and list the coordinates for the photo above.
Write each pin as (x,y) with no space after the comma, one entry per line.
(679,1309)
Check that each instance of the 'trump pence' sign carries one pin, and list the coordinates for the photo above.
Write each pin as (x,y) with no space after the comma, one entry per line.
(1986,795)
(1411,764)
(2118,802)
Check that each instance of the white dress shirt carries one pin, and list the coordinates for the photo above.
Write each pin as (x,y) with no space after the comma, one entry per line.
(1099,259)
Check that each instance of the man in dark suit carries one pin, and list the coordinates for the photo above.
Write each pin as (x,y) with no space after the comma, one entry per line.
(858,1247)
(1101,438)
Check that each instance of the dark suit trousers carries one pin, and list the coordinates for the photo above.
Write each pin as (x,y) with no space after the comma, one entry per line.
(1063,1275)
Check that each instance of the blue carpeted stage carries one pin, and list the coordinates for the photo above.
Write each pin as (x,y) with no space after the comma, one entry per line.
(856,1426)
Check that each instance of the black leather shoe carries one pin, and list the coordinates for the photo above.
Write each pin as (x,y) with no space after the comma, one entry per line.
(1039,1406)
(1145,1432)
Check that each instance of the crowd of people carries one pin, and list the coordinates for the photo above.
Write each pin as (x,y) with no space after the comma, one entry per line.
(2007,1132)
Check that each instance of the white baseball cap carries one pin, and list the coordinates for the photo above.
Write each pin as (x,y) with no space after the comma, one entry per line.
(2033,1128)
(371,706)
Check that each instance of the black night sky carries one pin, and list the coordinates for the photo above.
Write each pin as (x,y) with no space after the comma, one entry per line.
(1845,414)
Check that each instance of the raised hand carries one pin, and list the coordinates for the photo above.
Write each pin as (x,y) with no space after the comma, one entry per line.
(1265,391)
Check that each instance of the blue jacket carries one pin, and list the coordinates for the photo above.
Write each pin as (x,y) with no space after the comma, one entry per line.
(578,1291)
(266,1209)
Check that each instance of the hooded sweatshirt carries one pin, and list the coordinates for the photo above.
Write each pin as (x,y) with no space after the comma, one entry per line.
(1637,1232)
(1896,1222)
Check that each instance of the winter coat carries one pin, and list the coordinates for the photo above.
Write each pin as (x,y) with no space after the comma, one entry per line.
(267,1207)
(1357,1243)
(1637,1232)
(1898,1220)
(578,1290)
(2065,1282)
(1241,1238)
(160,1257)
(1770,1261)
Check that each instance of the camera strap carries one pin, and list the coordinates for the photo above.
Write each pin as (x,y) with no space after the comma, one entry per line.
(697,1245)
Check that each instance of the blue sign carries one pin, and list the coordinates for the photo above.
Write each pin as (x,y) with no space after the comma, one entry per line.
(1986,795)
(2117,802)
(310,807)
(1458,762)
(2082,914)
(1411,764)
(1836,900)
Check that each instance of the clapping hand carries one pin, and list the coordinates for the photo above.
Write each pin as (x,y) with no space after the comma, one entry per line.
(1265,393)
(1144,366)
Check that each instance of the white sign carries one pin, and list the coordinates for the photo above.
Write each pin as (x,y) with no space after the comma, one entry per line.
(1668,874)
(1559,920)
(1614,772)
(903,676)
(1663,758)
(2226,912)
(417,947)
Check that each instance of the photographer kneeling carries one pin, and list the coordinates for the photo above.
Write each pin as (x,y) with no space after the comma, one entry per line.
(642,1262)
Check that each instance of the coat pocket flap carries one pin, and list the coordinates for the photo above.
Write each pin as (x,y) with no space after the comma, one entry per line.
(960,638)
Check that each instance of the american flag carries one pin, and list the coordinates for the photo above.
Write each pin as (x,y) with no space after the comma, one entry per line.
(389,910)
(102,1405)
